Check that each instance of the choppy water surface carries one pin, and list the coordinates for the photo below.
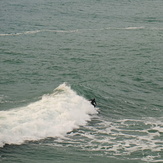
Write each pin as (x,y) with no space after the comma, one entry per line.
(55,56)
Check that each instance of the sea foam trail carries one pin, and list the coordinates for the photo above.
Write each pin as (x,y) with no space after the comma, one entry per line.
(52,116)
(80,30)
(38,31)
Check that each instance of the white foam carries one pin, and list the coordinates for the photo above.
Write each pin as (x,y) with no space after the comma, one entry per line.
(52,116)
(38,31)
(134,28)
(122,138)
(79,30)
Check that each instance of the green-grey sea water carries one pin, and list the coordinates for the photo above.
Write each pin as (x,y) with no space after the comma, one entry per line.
(56,55)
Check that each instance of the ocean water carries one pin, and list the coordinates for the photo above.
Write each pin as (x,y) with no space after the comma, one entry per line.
(56,55)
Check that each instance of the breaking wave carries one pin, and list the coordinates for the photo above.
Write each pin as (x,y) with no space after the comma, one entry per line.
(54,115)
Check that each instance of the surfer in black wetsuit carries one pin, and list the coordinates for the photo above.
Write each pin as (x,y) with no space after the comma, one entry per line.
(93,102)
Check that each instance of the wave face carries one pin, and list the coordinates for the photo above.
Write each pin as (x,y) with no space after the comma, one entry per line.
(53,115)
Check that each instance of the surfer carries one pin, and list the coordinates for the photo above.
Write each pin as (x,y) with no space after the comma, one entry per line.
(93,102)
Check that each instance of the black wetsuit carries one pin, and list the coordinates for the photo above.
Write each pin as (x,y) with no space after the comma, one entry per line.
(93,102)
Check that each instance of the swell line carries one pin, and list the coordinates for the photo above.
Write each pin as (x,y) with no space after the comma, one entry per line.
(79,30)
(37,31)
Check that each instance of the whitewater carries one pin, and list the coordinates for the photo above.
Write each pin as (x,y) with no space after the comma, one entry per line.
(54,115)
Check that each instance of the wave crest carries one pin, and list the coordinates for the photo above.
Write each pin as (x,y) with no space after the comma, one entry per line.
(53,116)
